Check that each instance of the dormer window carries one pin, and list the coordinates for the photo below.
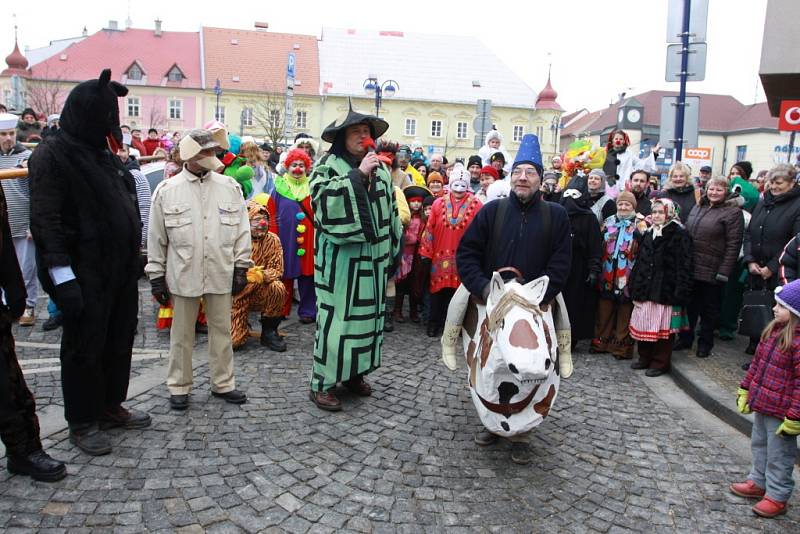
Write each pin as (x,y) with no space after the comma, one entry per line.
(135,72)
(175,74)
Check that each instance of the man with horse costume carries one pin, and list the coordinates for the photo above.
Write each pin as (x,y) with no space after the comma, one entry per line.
(514,332)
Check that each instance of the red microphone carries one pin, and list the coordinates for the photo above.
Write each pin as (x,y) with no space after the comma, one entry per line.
(368,144)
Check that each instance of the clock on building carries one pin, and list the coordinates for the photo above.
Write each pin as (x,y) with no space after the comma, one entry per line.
(630,115)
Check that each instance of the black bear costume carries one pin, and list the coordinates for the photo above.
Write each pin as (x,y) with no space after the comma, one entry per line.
(85,222)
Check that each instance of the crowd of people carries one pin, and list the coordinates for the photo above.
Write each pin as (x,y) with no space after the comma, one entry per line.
(236,228)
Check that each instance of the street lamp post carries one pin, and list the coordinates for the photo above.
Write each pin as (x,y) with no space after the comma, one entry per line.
(372,87)
(218,92)
(555,126)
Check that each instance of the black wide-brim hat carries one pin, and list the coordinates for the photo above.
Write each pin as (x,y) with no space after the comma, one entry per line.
(411,191)
(376,125)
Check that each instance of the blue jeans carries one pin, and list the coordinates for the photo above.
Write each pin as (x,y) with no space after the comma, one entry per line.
(52,309)
(773,457)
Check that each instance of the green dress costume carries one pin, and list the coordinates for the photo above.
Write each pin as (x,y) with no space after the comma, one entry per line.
(357,240)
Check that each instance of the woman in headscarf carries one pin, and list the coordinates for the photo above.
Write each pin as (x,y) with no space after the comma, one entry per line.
(579,292)
(601,204)
(620,247)
(661,285)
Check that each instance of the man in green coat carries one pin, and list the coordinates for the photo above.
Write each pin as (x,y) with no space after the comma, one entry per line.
(357,240)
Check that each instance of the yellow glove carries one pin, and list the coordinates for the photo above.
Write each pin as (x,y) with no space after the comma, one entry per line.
(741,401)
(255,275)
(789,427)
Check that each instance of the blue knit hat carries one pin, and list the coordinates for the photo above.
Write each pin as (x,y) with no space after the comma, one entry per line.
(789,296)
(529,152)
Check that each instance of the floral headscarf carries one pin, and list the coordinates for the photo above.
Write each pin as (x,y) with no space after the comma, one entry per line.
(672,215)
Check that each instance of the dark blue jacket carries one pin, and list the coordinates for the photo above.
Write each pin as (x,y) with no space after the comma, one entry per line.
(521,246)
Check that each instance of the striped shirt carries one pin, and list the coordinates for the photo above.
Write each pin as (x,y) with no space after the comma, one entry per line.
(17,191)
(143,196)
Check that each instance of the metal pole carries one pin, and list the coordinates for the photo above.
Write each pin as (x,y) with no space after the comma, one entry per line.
(791,148)
(681,108)
(377,99)
(216,110)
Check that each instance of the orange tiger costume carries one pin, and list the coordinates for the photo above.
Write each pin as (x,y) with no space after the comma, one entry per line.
(264,291)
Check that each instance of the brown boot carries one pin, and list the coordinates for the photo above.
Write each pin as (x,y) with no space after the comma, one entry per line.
(398,309)
(325,400)
(359,386)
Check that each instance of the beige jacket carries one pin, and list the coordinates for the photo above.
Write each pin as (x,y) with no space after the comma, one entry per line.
(198,232)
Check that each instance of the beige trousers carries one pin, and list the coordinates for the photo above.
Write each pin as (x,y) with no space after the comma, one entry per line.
(181,343)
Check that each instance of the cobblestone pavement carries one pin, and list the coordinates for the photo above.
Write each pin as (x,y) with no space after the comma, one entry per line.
(724,366)
(612,457)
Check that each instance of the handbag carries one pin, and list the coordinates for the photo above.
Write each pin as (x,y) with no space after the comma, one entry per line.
(756,311)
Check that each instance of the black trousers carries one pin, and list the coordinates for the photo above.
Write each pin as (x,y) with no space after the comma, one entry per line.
(439,303)
(19,426)
(705,307)
(96,350)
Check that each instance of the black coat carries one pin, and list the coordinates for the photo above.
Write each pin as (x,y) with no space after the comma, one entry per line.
(10,275)
(579,296)
(643,204)
(521,245)
(775,221)
(663,269)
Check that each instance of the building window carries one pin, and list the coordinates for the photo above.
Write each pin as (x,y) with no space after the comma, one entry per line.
(134,73)
(174,74)
(539,132)
(274,117)
(302,120)
(461,130)
(741,152)
(519,131)
(175,108)
(436,128)
(220,114)
(247,117)
(134,105)
(411,127)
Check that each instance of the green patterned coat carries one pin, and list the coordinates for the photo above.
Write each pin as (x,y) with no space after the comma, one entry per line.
(357,239)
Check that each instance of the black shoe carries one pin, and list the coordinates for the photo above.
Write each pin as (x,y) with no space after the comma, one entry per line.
(388,322)
(179,402)
(38,465)
(307,320)
(655,372)
(269,334)
(200,328)
(484,438)
(520,453)
(746,366)
(53,322)
(234,396)
(751,348)
(703,353)
(639,364)
(122,417)
(682,344)
(89,439)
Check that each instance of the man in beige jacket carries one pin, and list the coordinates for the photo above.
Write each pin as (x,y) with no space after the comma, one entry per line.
(199,246)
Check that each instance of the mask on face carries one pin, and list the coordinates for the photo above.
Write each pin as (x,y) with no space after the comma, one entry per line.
(210,163)
(458,187)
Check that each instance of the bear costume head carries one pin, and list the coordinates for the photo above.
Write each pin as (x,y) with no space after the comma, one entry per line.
(91,112)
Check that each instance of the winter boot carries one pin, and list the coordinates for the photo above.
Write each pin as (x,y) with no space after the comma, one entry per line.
(398,308)
(269,334)
(388,323)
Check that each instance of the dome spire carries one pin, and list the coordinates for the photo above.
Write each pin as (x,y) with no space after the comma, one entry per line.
(17,63)
(547,97)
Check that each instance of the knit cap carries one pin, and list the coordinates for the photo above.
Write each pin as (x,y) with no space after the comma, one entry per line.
(789,296)
(627,196)
(435,177)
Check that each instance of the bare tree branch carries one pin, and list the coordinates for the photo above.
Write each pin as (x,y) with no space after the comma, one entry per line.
(268,113)
(156,118)
(47,93)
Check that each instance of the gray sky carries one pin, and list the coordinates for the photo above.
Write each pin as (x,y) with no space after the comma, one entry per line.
(598,49)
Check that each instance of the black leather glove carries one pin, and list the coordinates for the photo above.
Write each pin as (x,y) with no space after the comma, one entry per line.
(69,298)
(158,287)
(17,308)
(591,280)
(239,280)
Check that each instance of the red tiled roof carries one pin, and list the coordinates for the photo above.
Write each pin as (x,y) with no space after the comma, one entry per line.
(259,60)
(582,124)
(718,113)
(118,49)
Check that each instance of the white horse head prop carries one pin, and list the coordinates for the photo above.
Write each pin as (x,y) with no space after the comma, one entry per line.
(512,351)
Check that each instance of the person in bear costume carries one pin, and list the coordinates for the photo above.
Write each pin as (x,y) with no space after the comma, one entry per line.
(86,226)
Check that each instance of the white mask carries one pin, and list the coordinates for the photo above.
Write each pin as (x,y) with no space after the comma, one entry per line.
(458,187)
(210,163)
